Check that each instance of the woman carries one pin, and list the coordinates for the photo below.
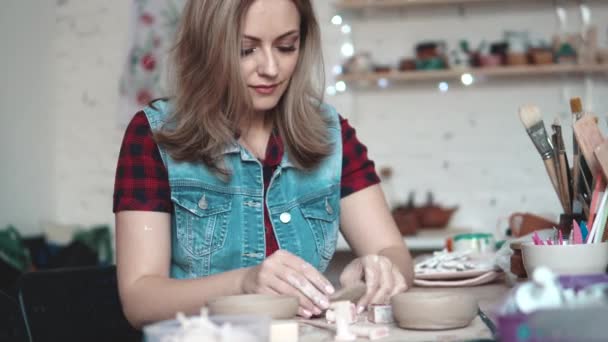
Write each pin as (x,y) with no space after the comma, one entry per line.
(239,183)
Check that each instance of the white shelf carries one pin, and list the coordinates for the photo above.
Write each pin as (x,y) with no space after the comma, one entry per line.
(425,240)
(362,4)
(489,72)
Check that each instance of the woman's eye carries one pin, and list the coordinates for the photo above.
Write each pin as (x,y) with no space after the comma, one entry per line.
(287,49)
(247,52)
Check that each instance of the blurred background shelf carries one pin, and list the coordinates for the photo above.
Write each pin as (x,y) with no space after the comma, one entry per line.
(425,240)
(490,72)
(363,4)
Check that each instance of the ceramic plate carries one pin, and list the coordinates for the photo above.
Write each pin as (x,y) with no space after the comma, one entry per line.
(442,275)
(484,278)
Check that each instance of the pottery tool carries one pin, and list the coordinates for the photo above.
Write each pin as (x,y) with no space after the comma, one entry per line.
(600,185)
(589,137)
(584,230)
(601,154)
(576,108)
(577,236)
(600,220)
(532,120)
(562,168)
(380,314)
(536,239)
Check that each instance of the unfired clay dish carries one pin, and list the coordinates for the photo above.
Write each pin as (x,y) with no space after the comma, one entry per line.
(277,307)
(445,275)
(351,293)
(484,278)
(433,310)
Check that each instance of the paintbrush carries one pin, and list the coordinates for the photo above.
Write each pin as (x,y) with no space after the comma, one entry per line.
(532,120)
(576,108)
(563,171)
(581,174)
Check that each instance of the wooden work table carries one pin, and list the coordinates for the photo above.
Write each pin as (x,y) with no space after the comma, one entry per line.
(489,297)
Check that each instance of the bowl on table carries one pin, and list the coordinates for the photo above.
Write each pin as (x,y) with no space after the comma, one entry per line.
(591,258)
(436,310)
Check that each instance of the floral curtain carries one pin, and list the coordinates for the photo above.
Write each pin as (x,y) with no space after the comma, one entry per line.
(152,31)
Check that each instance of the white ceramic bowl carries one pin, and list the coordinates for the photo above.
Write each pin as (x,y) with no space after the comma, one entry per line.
(566,259)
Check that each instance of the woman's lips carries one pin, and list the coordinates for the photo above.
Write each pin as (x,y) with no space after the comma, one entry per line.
(265,89)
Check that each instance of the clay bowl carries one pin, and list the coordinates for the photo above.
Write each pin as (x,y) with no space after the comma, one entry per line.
(277,307)
(435,216)
(406,220)
(435,310)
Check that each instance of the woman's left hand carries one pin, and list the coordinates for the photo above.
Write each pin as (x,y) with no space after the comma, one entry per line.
(382,279)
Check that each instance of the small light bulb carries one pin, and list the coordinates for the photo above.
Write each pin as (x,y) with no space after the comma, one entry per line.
(383,83)
(467,79)
(345,29)
(337,70)
(341,86)
(444,87)
(336,20)
(347,49)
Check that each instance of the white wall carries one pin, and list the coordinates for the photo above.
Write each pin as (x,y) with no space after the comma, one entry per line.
(27,167)
(467,145)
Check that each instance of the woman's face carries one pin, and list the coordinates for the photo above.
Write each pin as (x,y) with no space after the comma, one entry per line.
(270,50)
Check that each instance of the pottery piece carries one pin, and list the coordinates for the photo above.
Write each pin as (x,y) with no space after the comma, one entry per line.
(277,307)
(435,310)
(350,293)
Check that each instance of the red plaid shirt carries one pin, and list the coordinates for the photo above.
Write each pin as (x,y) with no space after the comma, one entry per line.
(142,182)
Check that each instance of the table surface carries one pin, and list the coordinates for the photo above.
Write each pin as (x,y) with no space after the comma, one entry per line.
(489,297)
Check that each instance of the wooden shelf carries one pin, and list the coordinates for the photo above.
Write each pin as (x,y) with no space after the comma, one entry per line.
(361,4)
(502,72)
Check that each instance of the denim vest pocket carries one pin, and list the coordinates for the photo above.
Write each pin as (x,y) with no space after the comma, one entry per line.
(322,215)
(201,219)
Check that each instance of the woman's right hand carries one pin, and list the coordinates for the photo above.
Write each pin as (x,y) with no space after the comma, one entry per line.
(283,273)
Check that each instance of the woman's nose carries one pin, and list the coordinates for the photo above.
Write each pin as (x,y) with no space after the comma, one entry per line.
(268,64)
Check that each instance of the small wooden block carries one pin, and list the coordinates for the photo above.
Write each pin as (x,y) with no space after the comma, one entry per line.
(380,314)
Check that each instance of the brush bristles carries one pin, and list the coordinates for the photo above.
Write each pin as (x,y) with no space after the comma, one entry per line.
(576,105)
(529,115)
(557,121)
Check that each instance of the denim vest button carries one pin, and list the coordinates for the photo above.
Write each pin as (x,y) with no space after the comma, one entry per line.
(328,207)
(285,217)
(202,203)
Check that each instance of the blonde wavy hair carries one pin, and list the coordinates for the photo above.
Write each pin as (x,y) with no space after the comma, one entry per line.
(210,97)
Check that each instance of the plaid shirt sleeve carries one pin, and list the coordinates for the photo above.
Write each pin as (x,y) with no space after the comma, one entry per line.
(142,181)
(358,171)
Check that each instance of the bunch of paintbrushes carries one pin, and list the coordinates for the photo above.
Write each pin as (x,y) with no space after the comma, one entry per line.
(581,189)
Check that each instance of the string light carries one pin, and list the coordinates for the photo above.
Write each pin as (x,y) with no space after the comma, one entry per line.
(345,29)
(383,83)
(443,87)
(467,79)
(341,86)
(347,49)
(336,20)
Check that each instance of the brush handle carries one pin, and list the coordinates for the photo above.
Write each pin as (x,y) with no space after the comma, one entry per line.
(564,182)
(550,166)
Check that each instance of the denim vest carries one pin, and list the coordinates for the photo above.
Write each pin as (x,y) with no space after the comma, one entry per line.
(218,225)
